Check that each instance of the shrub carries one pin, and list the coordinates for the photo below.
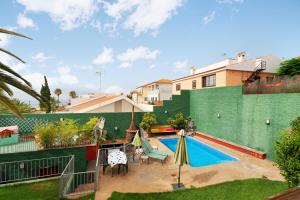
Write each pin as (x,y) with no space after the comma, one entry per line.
(68,131)
(178,122)
(148,120)
(46,134)
(288,153)
(87,130)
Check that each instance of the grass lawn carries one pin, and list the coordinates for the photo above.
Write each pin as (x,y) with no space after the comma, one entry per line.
(250,189)
(46,190)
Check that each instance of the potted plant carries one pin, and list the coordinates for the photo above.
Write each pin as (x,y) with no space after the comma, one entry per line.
(178,122)
(46,135)
(148,120)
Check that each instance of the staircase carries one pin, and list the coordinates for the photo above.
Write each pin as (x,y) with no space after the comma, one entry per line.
(255,74)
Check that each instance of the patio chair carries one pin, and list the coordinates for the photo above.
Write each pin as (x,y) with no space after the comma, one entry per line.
(157,151)
(152,154)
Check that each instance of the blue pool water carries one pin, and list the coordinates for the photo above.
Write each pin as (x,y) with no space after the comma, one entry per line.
(200,154)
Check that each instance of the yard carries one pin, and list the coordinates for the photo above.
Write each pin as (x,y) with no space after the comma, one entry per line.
(250,189)
(46,190)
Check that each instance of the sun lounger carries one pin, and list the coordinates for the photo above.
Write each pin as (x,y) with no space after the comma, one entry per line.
(152,154)
(148,145)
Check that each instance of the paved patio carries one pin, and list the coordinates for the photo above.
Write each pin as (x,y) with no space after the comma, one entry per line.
(155,177)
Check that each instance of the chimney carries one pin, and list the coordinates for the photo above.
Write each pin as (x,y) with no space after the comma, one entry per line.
(193,70)
(241,56)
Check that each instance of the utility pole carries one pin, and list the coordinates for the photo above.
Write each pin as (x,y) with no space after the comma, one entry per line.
(99,73)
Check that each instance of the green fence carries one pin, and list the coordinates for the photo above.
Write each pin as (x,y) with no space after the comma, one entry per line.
(179,103)
(115,124)
(226,113)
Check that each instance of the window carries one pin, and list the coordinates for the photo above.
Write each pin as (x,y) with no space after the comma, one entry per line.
(209,81)
(152,87)
(194,84)
(269,79)
(145,99)
(157,87)
(178,87)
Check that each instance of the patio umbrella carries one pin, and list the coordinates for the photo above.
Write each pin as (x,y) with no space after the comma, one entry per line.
(137,140)
(181,154)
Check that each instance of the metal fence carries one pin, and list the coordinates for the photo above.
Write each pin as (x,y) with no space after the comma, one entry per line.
(79,183)
(32,169)
(281,84)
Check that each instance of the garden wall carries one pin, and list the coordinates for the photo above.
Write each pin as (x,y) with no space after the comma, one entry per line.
(179,103)
(242,118)
(78,152)
(120,120)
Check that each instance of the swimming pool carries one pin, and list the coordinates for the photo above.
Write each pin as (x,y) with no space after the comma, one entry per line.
(200,154)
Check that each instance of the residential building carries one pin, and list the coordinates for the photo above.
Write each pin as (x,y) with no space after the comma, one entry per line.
(154,92)
(106,103)
(228,72)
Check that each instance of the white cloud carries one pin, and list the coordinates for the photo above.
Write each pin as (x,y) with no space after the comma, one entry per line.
(4,39)
(69,14)
(25,22)
(138,53)
(152,66)
(37,79)
(12,62)
(143,15)
(65,76)
(181,65)
(125,65)
(229,1)
(90,86)
(105,57)
(40,57)
(114,89)
(209,18)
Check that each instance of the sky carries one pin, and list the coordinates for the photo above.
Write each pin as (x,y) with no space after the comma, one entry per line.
(132,42)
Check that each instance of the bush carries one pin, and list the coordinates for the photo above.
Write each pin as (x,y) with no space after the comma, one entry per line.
(148,120)
(289,67)
(46,134)
(178,122)
(67,131)
(288,153)
(87,130)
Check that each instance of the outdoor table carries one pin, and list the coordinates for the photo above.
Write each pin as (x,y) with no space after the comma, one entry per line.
(117,158)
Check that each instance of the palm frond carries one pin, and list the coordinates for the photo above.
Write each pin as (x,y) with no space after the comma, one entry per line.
(7,102)
(11,54)
(5,88)
(13,33)
(9,70)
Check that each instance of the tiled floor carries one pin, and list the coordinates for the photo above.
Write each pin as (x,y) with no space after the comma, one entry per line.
(154,177)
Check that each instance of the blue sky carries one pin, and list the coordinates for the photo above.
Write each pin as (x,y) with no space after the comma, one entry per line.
(134,41)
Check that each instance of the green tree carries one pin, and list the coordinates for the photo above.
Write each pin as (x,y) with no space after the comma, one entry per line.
(58,92)
(21,106)
(9,78)
(46,94)
(289,67)
(288,153)
(178,122)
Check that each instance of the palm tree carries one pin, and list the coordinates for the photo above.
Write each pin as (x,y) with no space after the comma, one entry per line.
(9,78)
(58,92)
(72,95)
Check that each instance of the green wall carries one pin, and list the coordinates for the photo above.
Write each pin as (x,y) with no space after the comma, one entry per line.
(179,103)
(120,120)
(78,152)
(242,117)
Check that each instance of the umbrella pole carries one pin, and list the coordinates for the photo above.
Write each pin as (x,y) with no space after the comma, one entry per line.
(179,177)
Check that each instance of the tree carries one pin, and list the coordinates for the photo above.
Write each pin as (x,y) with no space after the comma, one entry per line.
(288,153)
(9,78)
(21,106)
(46,94)
(72,95)
(289,67)
(58,93)
(148,120)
